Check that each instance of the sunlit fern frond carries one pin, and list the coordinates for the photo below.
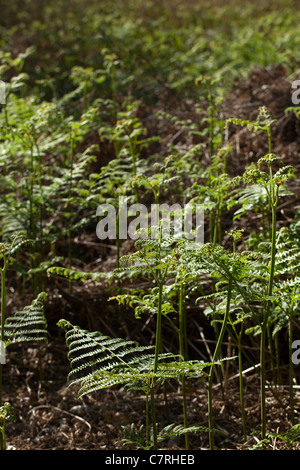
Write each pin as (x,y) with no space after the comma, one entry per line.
(98,362)
(77,275)
(29,324)
(287,255)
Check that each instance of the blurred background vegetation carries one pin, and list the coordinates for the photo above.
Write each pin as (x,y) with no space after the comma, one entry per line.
(143,47)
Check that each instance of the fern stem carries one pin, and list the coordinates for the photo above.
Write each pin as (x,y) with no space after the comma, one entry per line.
(240,362)
(147,418)
(291,370)
(157,350)
(134,168)
(158,326)
(241,384)
(119,288)
(183,355)
(70,190)
(3,274)
(291,366)
(153,415)
(212,367)
(265,324)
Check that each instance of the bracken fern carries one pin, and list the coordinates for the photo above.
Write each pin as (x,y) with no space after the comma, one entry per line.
(99,362)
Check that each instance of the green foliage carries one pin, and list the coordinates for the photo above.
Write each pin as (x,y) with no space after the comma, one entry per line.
(7,414)
(72,274)
(132,111)
(289,437)
(28,324)
(135,438)
(98,361)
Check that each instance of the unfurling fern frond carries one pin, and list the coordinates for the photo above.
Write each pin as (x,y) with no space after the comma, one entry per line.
(29,324)
(98,361)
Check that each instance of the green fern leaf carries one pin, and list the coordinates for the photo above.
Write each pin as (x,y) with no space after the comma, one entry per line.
(29,324)
(98,361)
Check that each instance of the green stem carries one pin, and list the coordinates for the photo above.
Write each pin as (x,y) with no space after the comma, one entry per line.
(265,325)
(132,147)
(147,418)
(291,371)
(153,416)
(183,355)
(212,367)
(241,384)
(3,273)
(118,247)
(3,438)
(158,326)
(70,190)
(156,356)
(291,366)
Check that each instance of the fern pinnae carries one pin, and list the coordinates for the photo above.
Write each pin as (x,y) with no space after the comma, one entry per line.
(115,350)
(114,360)
(28,324)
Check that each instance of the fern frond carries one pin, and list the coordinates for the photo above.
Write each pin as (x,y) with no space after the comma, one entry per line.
(45,265)
(77,275)
(98,361)
(287,255)
(179,430)
(29,324)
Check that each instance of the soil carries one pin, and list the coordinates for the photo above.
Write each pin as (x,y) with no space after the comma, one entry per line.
(49,416)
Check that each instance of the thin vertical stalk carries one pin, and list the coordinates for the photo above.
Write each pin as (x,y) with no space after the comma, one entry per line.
(3,439)
(132,147)
(183,355)
(119,288)
(291,367)
(241,384)
(271,354)
(265,323)
(3,274)
(156,356)
(291,372)
(32,228)
(160,279)
(240,363)
(39,159)
(70,190)
(118,237)
(211,227)
(147,418)
(158,326)
(212,367)
(153,416)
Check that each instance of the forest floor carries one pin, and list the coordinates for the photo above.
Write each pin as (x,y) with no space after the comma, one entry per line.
(49,416)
